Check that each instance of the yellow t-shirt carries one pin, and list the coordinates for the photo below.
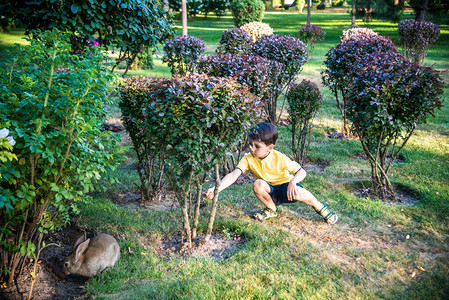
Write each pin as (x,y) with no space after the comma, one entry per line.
(276,168)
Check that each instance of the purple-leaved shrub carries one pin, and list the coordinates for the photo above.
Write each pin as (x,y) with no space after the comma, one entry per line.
(186,124)
(416,37)
(235,41)
(304,100)
(287,50)
(388,98)
(310,34)
(182,53)
(340,63)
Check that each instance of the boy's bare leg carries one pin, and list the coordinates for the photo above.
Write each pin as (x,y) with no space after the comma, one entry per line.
(307,197)
(262,191)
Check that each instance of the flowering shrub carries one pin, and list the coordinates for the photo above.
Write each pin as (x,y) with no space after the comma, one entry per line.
(60,148)
(235,41)
(6,149)
(183,53)
(363,31)
(388,98)
(416,37)
(304,100)
(246,11)
(257,29)
(309,34)
(340,63)
(289,51)
(192,120)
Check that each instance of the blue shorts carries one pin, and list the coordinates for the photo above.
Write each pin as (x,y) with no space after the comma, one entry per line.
(279,193)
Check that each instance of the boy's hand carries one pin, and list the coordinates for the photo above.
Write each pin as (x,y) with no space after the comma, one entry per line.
(291,191)
(209,194)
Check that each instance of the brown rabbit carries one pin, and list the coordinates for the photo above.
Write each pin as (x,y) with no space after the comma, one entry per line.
(92,256)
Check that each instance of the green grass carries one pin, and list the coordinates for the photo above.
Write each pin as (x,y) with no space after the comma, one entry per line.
(377,250)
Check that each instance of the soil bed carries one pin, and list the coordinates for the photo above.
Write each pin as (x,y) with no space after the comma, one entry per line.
(51,283)
(218,247)
(403,197)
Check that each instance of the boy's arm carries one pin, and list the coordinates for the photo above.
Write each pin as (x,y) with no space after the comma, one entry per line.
(291,190)
(225,182)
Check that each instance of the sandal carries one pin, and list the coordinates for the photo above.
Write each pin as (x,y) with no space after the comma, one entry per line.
(265,214)
(328,216)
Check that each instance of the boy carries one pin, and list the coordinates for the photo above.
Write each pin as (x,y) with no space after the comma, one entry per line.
(277,176)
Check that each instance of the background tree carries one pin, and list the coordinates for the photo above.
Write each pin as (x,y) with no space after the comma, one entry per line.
(131,26)
(184,17)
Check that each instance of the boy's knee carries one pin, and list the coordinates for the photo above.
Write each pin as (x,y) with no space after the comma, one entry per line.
(260,186)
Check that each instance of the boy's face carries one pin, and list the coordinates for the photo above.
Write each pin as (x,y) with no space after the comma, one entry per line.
(260,149)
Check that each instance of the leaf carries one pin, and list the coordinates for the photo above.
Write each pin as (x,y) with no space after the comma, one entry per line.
(75,8)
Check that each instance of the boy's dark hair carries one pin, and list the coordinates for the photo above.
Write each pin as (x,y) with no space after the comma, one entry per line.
(264,132)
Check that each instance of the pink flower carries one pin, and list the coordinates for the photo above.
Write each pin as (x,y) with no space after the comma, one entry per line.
(96,43)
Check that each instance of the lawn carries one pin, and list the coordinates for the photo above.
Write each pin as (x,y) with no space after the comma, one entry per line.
(376,250)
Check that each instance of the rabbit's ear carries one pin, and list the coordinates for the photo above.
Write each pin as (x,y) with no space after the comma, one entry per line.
(81,249)
(79,240)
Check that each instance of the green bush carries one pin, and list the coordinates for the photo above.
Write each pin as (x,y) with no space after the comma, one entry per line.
(192,120)
(300,4)
(321,6)
(144,60)
(219,7)
(53,103)
(338,3)
(246,11)
(182,53)
(387,99)
(304,100)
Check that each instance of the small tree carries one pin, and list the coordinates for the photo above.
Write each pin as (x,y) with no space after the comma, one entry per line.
(340,62)
(257,29)
(289,51)
(199,117)
(304,100)
(60,149)
(246,11)
(234,41)
(416,37)
(182,53)
(310,34)
(390,96)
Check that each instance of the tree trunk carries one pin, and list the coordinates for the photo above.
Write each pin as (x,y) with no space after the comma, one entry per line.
(184,17)
(308,11)
(420,8)
(214,204)
(353,13)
